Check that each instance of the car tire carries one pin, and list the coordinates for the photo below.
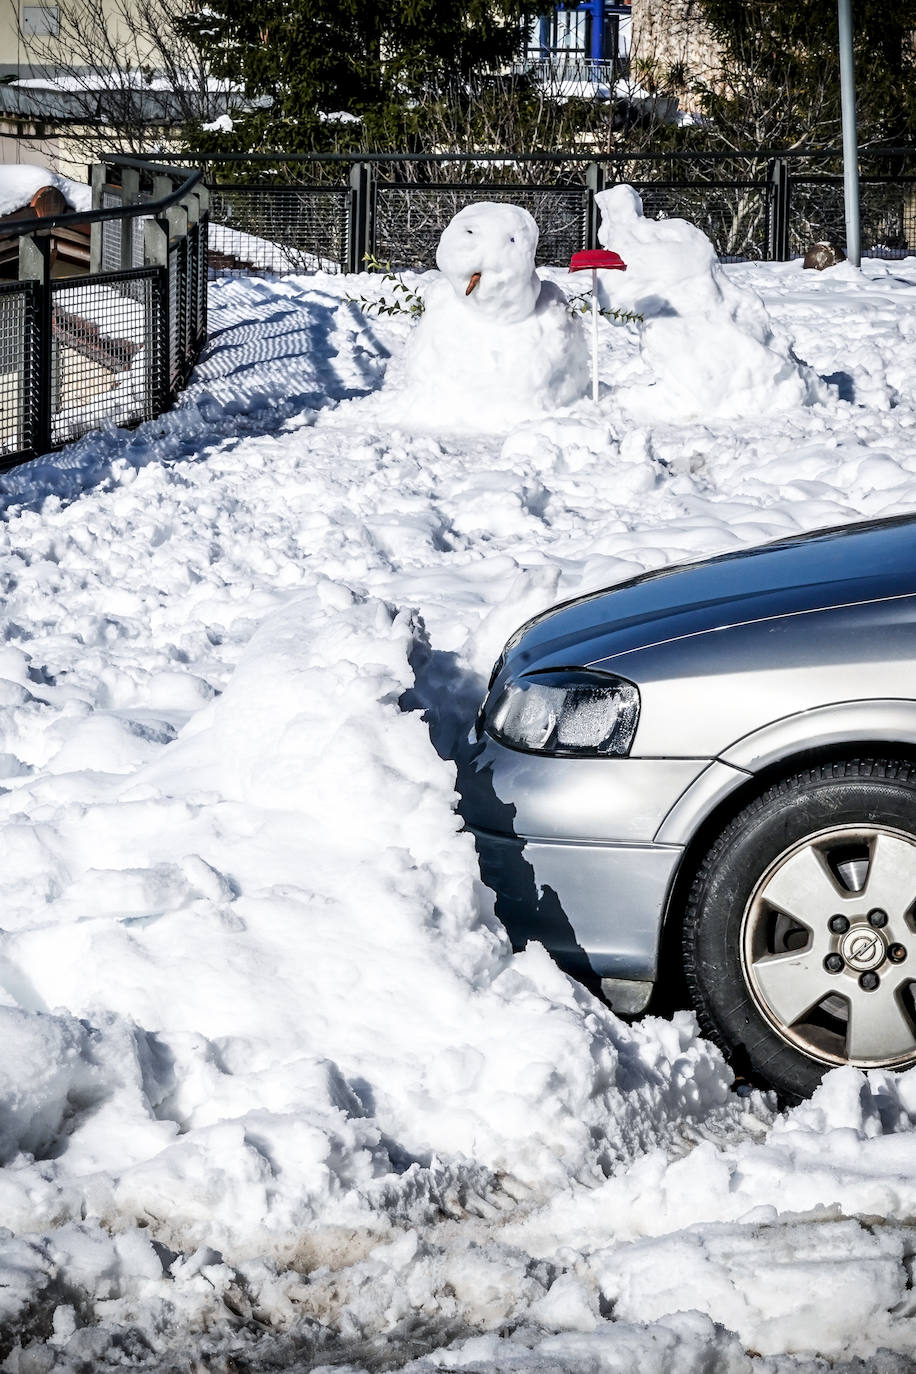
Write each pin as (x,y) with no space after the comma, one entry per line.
(799,935)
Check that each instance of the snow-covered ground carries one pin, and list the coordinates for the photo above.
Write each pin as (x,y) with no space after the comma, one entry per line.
(274,1093)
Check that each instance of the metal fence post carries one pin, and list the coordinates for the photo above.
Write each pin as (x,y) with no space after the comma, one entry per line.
(595,181)
(98,177)
(361,227)
(777,246)
(35,265)
(156,254)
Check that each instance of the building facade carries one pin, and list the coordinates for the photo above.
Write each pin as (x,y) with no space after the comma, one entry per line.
(571,37)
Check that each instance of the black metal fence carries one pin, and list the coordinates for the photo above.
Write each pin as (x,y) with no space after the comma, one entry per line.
(276,214)
(114,346)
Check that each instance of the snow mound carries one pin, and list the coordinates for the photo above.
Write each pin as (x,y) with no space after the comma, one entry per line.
(292,1027)
(495,343)
(710,344)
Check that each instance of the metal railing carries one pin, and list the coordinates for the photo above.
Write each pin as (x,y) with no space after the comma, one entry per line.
(571,68)
(271,213)
(114,346)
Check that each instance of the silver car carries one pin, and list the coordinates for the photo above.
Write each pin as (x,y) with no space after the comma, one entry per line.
(709,773)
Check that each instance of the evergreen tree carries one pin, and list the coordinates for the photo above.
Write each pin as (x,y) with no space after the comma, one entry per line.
(297,61)
(779,83)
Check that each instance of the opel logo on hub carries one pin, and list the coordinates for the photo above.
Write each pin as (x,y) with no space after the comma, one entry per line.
(863,948)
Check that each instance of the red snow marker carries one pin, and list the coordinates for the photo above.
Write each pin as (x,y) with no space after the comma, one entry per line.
(596,257)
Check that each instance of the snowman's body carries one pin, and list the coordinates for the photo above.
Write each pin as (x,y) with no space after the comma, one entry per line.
(495,344)
(709,342)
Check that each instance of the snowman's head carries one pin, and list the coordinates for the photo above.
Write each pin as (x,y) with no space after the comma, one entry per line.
(487,254)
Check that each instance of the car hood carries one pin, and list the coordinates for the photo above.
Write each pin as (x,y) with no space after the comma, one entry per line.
(828,568)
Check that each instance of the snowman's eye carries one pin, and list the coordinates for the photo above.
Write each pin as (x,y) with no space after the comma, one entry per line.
(469,231)
(512,239)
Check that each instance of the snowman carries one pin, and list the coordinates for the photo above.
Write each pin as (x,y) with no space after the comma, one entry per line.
(496,344)
(709,345)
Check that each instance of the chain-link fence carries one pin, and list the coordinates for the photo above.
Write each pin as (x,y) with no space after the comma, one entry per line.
(113,346)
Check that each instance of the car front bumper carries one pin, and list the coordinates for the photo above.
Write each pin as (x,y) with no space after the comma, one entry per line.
(568,847)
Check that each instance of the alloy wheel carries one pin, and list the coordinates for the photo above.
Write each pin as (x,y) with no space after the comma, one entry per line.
(828,946)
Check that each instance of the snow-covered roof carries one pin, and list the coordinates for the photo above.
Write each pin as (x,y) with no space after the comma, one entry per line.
(19,182)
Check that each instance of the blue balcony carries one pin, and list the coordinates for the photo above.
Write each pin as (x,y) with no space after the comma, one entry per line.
(583,45)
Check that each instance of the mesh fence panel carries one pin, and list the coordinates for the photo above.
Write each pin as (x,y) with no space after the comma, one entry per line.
(887,210)
(203,241)
(18,369)
(410,219)
(278,229)
(104,352)
(114,233)
(177,315)
(193,296)
(733,217)
(111,231)
(136,240)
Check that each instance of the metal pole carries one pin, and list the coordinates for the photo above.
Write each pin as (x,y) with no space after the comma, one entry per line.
(596,52)
(777,246)
(594,182)
(99,174)
(595,335)
(360,223)
(850,144)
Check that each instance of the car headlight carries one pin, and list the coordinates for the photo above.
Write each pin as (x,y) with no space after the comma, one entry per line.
(572,711)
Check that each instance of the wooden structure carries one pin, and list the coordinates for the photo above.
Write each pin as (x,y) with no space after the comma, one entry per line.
(69,246)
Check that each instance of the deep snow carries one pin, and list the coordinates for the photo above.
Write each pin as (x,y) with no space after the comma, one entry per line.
(274,1091)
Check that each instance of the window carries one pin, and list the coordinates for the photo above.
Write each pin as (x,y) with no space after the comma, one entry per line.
(571,30)
(610,38)
(42,21)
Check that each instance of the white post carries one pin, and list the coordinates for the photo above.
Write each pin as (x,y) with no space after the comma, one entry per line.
(595,335)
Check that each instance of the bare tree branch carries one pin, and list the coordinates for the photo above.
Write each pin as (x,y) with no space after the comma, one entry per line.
(129,65)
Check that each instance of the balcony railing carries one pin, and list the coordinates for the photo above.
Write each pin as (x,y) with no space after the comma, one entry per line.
(572,69)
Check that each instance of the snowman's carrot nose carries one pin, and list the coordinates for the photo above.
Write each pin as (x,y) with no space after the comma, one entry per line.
(475,278)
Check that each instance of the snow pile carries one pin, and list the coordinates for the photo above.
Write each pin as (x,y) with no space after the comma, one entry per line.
(19,183)
(274,1091)
(237,929)
(495,343)
(738,1231)
(222,124)
(709,343)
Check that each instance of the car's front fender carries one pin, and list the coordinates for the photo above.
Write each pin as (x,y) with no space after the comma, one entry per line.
(867,723)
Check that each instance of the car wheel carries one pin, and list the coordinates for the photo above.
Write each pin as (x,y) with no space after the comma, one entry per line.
(800,930)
